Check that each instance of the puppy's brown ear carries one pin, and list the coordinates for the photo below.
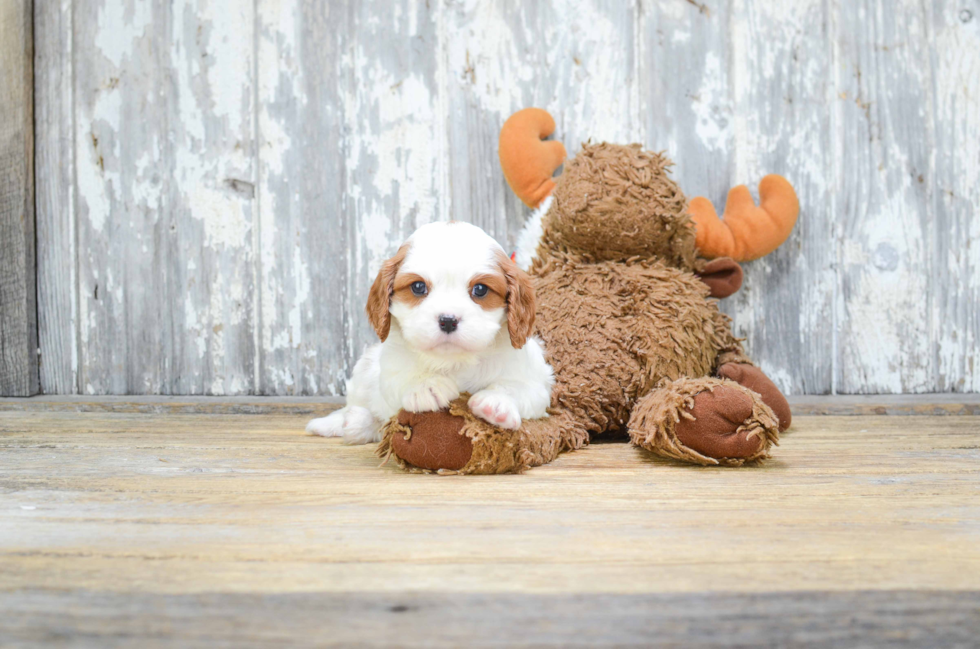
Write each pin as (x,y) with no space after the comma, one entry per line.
(520,302)
(379,297)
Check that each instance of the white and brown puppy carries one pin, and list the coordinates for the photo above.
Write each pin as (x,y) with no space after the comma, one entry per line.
(454,314)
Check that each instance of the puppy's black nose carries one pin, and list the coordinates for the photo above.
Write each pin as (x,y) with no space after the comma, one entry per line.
(448,323)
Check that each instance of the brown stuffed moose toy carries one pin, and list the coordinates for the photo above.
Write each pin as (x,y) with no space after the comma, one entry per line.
(619,260)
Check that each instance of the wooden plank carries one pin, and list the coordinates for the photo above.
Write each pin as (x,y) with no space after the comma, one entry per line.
(124,223)
(883,176)
(590,87)
(174,405)
(685,82)
(730,103)
(151,274)
(186,529)
(165,180)
(54,140)
(397,174)
(782,123)
(824,619)
(802,405)
(212,57)
(954,282)
(186,504)
(304,235)
(886,404)
(18,292)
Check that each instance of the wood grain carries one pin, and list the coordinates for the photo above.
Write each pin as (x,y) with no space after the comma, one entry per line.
(231,185)
(304,234)
(211,503)
(18,292)
(686,91)
(954,177)
(164,166)
(887,331)
(54,146)
(396,146)
(938,405)
(497,55)
(780,85)
(169,516)
(823,619)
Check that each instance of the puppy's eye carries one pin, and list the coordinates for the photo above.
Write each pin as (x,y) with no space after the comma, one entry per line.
(419,289)
(480,290)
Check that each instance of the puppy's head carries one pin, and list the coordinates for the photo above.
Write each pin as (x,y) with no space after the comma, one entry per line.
(451,289)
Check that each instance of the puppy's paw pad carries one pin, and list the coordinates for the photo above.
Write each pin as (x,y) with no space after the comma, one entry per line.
(495,408)
(434,393)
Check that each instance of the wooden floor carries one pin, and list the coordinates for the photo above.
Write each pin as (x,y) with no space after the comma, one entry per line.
(124,528)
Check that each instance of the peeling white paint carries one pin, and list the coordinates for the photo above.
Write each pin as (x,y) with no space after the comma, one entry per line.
(118,24)
(398,160)
(712,108)
(199,235)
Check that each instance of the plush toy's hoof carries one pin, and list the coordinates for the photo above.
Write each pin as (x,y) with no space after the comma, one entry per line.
(432,441)
(457,442)
(706,421)
(723,276)
(717,430)
(754,379)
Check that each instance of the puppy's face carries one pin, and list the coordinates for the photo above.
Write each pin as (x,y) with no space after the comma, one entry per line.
(451,289)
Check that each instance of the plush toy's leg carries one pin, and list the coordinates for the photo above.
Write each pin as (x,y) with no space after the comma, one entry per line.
(753,378)
(704,421)
(458,442)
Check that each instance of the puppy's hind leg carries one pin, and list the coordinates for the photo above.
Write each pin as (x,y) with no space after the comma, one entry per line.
(360,426)
(354,423)
(330,426)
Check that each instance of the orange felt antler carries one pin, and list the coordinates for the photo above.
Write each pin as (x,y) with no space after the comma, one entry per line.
(746,231)
(527,159)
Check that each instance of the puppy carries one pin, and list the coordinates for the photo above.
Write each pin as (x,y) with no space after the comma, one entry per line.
(454,314)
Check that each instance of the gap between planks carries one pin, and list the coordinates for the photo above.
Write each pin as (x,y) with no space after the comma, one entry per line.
(841,405)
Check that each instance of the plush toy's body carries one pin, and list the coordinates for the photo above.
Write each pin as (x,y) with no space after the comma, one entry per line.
(626,316)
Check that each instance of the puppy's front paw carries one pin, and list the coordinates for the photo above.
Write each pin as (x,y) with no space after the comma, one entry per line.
(432,394)
(496,408)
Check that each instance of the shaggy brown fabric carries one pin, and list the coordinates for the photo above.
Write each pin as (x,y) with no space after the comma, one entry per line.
(614,202)
(753,378)
(704,421)
(492,450)
(612,331)
(733,355)
(723,276)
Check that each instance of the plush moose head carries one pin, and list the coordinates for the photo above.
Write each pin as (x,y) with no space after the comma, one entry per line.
(614,202)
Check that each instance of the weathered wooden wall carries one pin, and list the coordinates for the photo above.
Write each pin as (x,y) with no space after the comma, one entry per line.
(218,181)
(18,292)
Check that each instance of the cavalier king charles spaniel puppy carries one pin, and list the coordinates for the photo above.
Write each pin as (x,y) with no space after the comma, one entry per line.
(454,314)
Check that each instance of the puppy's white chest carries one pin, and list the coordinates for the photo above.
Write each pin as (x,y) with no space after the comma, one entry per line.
(476,378)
